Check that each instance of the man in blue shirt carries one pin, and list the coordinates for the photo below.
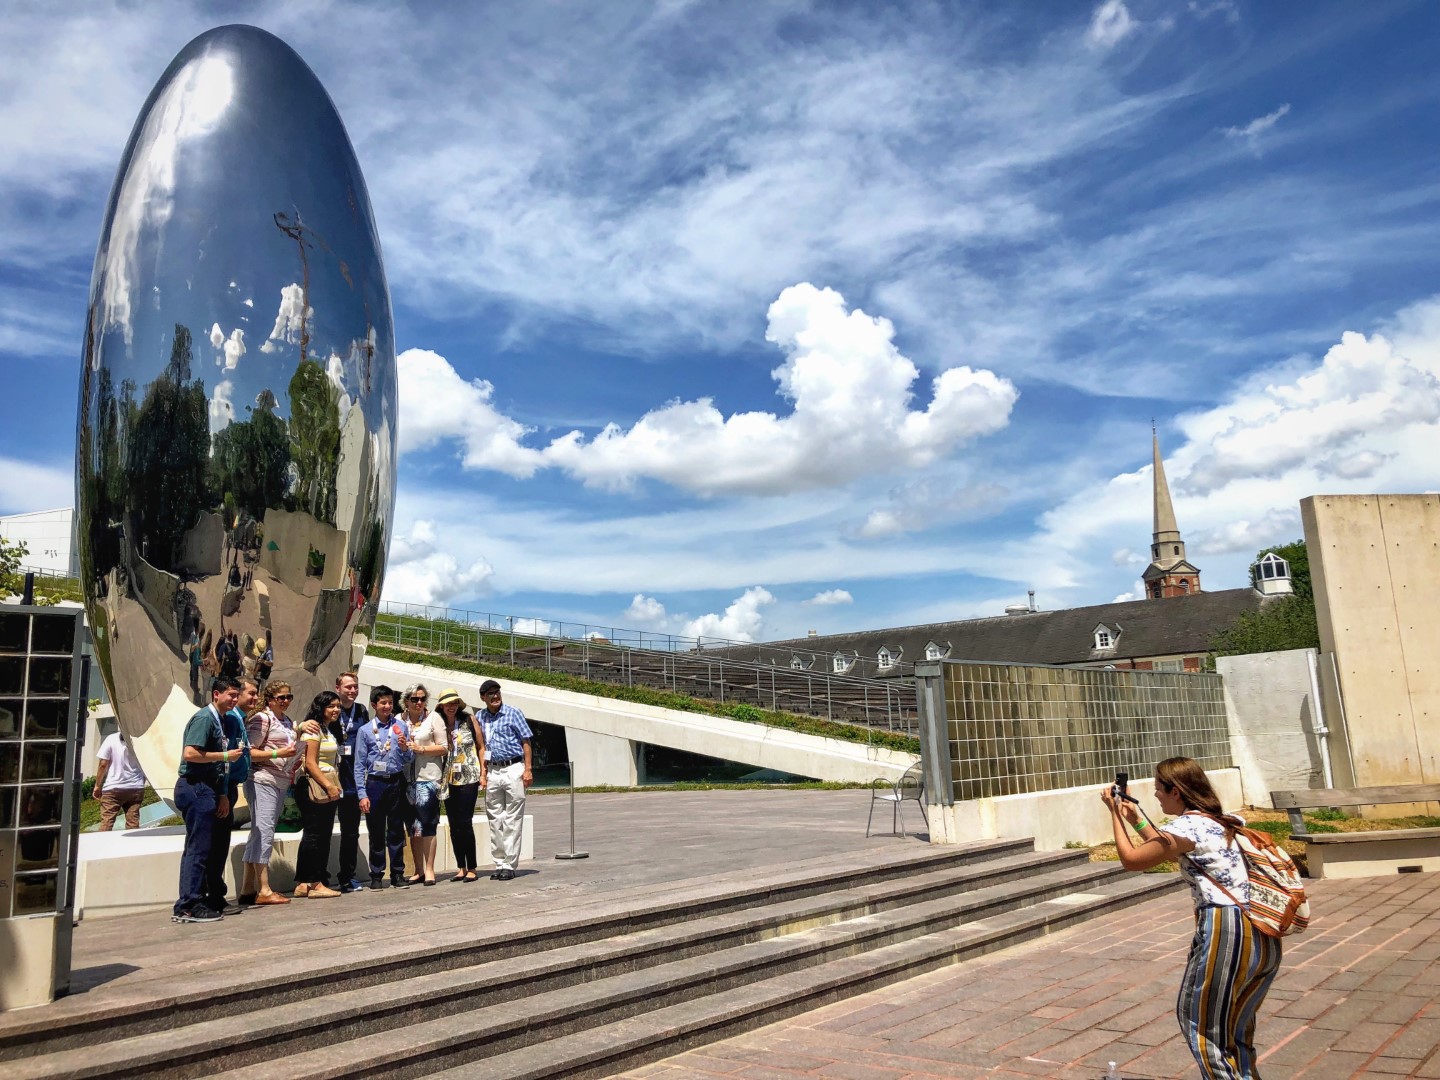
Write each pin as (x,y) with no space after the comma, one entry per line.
(382,751)
(202,796)
(504,774)
(352,718)
(232,723)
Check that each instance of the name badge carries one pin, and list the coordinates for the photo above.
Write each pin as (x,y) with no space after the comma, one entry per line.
(347,751)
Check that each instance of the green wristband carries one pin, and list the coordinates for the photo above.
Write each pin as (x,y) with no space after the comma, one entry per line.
(1141,825)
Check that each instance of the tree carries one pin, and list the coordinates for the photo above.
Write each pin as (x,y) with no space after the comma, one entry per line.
(12,554)
(315,439)
(1284,622)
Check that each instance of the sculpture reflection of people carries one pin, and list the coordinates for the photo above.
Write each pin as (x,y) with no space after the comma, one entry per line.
(317,818)
(430,743)
(1231,964)
(462,780)
(272,767)
(119,782)
(233,722)
(200,796)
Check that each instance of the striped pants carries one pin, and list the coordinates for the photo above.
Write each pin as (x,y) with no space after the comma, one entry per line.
(1230,969)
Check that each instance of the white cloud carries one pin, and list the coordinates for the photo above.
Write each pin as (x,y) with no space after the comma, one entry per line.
(1110,24)
(1135,592)
(1248,536)
(222,408)
(436,403)
(741,622)
(1252,132)
(830,597)
(1356,466)
(928,503)
(230,348)
(533,627)
(26,486)
(419,573)
(850,385)
(288,318)
(1126,557)
(645,612)
(1362,388)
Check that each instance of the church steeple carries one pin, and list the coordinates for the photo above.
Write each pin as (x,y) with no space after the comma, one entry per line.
(1169,574)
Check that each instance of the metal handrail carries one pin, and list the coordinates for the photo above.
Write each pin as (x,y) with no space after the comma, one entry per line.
(650,658)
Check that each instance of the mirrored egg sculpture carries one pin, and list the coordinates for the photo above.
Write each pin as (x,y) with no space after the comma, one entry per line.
(235,468)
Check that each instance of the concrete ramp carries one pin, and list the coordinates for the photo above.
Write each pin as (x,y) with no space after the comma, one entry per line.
(602,732)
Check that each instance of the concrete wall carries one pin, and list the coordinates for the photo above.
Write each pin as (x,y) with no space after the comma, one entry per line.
(601,759)
(1055,818)
(1375,563)
(1272,719)
(715,736)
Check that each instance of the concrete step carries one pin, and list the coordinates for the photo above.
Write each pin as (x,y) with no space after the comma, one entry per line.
(655,1034)
(494,1007)
(371,957)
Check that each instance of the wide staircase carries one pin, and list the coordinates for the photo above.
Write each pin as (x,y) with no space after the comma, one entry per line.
(601,986)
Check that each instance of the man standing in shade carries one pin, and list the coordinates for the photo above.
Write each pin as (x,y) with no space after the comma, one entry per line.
(202,797)
(119,783)
(353,716)
(233,724)
(382,751)
(504,774)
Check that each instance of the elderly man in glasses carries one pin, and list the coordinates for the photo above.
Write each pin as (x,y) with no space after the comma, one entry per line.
(504,774)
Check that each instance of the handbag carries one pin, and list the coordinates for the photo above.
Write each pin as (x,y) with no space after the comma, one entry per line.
(317,791)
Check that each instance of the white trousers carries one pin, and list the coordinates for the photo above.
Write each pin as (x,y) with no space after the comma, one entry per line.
(267,802)
(505,807)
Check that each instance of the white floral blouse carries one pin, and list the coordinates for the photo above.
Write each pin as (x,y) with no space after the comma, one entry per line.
(1220,860)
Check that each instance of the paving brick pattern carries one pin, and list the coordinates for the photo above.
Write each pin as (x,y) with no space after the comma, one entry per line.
(1356,997)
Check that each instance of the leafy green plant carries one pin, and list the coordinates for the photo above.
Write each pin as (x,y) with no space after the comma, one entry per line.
(1327,813)
(748,713)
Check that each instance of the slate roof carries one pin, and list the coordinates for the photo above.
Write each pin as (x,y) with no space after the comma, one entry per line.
(1147,628)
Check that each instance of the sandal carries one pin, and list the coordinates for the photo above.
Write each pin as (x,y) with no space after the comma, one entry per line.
(271,898)
(321,892)
(302,890)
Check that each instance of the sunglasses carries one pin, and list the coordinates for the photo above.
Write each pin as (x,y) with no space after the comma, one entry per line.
(284,697)
(421,700)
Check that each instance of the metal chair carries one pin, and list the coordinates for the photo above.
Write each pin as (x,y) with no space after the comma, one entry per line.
(909,788)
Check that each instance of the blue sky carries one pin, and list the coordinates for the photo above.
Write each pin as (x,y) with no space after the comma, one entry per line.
(751,319)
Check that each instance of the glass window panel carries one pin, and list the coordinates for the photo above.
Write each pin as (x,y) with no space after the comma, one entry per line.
(13,628)
(12,675)
(40,805)
(37,849)
(46,719)
(53,634)
(9,797)
(50,675)
(10,712)
(44,761)
(36,894)
(10,763)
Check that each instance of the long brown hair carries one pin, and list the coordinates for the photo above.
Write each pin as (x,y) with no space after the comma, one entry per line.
(1185,777)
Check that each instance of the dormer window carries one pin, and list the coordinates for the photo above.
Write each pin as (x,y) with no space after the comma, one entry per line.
(840,663)
(1273,567)
(796,664)
(937,652)
(1105,637)
(886,659)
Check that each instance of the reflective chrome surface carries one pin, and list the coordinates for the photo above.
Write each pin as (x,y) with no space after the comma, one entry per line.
(236,457)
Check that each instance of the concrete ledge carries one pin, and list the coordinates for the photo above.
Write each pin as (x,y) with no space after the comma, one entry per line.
(139,869)
(1372,854)
(1055,818)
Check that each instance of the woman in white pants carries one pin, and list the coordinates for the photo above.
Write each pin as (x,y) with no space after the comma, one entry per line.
(272,768)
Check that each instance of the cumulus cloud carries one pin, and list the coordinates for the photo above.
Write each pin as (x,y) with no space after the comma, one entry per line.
(829,597)
(1136,592)
(1356,466)
(741,621)
(222,408)
(1362,387)
(288,318)
(645,612)
(436,404)
(1126,557)
(1110,24)
(1247,535)
(849,385)
(532,627)
(230,348)
(421,573)
(1251,133)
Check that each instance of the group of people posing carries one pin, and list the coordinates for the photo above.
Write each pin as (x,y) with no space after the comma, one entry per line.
(394,764)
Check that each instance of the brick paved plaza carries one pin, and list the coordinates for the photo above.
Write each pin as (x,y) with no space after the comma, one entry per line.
(1356,997)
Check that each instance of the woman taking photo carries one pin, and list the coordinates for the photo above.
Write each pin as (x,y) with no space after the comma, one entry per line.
(317,817)
(1231,964)
(462,778)
(430,742)
(272,767)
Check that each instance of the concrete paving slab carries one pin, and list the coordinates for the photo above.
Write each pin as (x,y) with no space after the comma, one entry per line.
(1322,1020)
